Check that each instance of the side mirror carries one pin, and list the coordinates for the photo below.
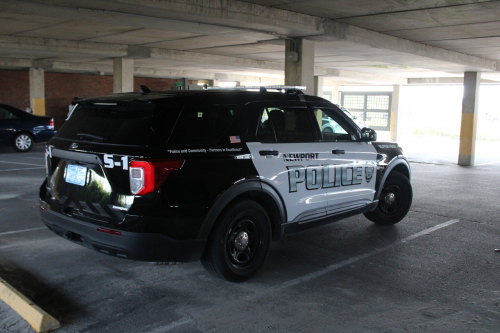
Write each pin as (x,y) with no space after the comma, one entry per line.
(367,135)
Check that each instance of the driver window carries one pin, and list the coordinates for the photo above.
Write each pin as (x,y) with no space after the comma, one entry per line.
(331,130)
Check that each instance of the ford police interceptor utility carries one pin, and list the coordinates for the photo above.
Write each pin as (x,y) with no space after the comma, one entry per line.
(214,175)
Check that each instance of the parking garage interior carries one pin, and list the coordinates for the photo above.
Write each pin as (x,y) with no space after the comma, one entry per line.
(425,74)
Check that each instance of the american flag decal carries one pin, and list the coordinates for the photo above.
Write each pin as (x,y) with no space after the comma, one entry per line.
(235,139)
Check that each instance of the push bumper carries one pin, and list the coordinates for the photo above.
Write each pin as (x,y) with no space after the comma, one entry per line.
(130,245)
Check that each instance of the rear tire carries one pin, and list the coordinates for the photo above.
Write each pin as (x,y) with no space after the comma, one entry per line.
(239,242)
(395,200)
(22,142)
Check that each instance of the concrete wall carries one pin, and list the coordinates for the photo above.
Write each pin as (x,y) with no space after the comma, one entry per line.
(60,89)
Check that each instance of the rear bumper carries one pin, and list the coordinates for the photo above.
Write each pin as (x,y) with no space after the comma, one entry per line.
(44,135)
(131,245)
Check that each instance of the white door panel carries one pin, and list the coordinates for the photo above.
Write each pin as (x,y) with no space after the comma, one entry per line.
(310,178)
(297,168)
(351,168)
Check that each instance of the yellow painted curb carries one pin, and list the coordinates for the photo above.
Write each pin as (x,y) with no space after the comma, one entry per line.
(40,320)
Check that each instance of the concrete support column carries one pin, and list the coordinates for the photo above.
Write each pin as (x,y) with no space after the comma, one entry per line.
(123,75)
(469,118)
(335,94)
(213,83)
(186,84)
(395,111)
(301,72)
(37,91)
(318,86)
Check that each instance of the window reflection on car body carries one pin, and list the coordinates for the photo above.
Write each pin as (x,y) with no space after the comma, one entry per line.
(91,136)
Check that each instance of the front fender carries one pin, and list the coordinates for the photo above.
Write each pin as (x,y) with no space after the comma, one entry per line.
(397,162)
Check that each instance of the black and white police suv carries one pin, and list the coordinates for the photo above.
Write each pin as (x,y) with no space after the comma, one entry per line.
(214,175)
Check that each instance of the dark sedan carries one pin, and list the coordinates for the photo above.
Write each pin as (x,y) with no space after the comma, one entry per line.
(21,130)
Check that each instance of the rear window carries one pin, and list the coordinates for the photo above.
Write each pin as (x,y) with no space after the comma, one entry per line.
(129,124)
(202,124)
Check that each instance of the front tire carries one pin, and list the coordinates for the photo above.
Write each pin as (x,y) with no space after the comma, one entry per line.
(22,142)
(239,242)
(395,200)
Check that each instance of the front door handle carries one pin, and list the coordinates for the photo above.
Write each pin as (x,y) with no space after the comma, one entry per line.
(338,151)
(269,153)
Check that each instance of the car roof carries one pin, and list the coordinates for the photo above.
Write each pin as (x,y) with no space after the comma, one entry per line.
(228,95)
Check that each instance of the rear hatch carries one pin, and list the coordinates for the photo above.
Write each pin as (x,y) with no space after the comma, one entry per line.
(88,159)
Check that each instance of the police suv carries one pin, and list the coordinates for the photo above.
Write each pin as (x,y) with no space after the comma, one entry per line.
(214,175)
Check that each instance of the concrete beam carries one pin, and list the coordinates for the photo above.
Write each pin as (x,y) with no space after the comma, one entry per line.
(443,80)
(166,55)
(64,47)
(345,75)
(336,31)
(202,58)
(243,78)
(238,19)
(81,68)
(233,19)
(71,48)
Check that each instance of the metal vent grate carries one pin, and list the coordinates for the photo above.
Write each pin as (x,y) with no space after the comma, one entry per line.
(377,102)
(354,101)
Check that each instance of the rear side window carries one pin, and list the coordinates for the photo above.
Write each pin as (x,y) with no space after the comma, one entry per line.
(129,124)
(5,114)
(202,124)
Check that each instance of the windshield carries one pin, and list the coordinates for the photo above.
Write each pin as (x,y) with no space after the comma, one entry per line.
(356,119)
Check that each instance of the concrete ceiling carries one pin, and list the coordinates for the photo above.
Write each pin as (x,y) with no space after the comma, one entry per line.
(356,40)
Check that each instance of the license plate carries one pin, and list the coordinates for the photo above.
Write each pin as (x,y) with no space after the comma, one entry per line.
(76,174)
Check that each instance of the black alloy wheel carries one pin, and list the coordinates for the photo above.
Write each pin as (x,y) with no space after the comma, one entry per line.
(394,201)
(239,242)
(242,243)
(391,200)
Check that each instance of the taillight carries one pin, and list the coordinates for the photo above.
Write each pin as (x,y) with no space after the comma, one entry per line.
(148,176)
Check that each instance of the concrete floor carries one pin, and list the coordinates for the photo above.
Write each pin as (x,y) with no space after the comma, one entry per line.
(436,271)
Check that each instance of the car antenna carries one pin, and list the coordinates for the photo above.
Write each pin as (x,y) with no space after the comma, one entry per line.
(144,90)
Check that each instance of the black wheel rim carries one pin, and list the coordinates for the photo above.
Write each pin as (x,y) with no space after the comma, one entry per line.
(391,200)
(243,241)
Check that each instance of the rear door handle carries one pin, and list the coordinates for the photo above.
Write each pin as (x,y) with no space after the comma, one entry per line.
(269,153)
(338,151)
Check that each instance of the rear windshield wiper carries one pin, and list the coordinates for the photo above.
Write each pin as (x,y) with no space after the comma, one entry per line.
(91,136)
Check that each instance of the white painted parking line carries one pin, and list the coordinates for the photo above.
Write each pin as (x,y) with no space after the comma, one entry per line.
(334,267)
(22,169)
(21,163)
(20,231)
(172,325)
